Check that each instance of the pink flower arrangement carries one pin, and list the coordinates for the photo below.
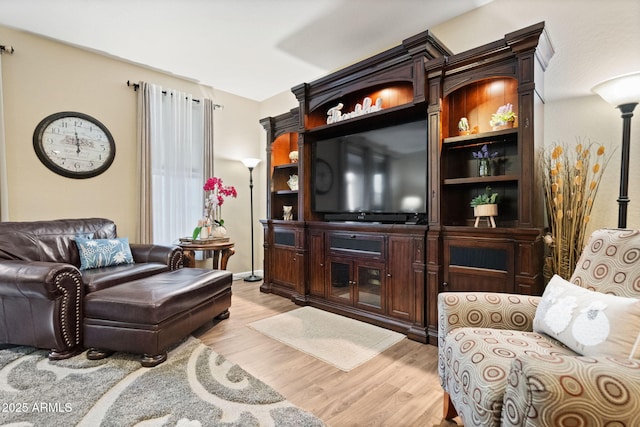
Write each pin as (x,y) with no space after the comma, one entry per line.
(215,193)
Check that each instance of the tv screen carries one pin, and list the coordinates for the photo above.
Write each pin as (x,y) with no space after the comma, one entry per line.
(376,171)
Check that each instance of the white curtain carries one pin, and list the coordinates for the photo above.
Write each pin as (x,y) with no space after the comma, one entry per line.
(209,108)
(171,159)
(4,188)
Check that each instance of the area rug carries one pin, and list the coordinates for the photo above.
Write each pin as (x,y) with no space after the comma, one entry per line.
(340,341)
(194,387)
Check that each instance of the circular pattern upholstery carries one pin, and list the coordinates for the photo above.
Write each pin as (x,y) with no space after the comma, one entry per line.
(609,263)
(572,391)
(499,373)
(477,363)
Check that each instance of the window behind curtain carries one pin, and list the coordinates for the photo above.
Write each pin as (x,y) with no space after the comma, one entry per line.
(177,177)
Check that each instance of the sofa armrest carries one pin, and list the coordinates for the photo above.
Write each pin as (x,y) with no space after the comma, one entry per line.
(485,310)
(572,390)
(49,297)
(32,279)
(164,254)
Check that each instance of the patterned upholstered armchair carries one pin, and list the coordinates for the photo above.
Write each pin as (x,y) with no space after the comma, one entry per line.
(568,358)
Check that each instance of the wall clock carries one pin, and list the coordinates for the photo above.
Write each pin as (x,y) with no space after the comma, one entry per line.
(74,145)
(324,177)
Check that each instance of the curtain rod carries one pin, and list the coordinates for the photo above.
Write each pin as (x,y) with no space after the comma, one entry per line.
(164,92)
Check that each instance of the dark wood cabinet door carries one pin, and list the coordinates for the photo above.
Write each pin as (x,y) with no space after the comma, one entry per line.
(369,292)
(340,283)
(284,268)
(401,296)
(316,264)
(476,265)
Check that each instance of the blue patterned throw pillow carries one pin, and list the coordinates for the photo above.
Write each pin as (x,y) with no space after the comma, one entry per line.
(95,253)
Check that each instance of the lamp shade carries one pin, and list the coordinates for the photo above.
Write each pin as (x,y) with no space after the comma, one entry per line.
(620,90)
(251,163)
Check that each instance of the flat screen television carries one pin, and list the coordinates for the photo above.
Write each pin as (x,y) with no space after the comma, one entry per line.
(375,175)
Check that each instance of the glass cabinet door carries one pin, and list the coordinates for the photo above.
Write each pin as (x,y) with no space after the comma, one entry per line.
(340,280)
(370,286)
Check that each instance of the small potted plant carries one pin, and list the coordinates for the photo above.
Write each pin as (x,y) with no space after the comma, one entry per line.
(485,204)
(503,118)
(463,126)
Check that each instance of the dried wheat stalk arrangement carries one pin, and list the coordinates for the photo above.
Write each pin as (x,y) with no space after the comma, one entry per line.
(571,181)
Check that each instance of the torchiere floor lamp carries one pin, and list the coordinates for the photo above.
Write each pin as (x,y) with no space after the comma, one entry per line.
(251,163)
(622,92)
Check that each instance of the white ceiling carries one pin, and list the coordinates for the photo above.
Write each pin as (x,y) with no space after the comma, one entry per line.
(251,48)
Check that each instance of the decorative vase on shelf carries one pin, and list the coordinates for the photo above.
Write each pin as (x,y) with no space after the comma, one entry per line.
(293,182)
(287,213)
(293,156)
(204,232)
(484,167)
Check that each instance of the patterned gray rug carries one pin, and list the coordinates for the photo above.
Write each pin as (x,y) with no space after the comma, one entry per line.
(194,387)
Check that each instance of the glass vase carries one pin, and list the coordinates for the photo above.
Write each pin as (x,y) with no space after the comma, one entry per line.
(484,167)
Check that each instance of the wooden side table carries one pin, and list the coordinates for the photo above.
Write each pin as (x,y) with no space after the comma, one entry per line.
(221,250)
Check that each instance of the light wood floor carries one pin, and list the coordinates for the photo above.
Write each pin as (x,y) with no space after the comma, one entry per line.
(399,387)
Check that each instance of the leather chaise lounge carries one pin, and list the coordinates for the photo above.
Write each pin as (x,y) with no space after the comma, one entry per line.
(50,299)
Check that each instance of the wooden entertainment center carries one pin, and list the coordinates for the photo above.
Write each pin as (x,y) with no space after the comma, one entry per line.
(387,268)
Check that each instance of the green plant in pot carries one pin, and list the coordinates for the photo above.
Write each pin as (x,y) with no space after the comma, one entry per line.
(485,205)
(503,118)
(463,126)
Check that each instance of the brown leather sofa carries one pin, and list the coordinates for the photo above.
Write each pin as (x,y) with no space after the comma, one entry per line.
(42,289)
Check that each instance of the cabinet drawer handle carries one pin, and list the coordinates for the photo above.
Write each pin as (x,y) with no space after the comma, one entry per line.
(353,236)
(388,274)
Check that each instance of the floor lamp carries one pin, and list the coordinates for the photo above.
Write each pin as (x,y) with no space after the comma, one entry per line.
(251,163)
(622,92)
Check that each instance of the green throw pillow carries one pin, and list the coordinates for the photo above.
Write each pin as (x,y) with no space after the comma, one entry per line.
(95,253)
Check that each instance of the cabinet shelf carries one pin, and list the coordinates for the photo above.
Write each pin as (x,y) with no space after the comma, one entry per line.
(283,192)
(286,166)
(485,179)
(478,138)
(383,117)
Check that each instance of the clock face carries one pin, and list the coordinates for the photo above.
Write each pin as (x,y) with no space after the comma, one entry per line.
(74,145)
(324,177)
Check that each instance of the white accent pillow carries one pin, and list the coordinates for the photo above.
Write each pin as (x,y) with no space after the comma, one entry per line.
(590,323)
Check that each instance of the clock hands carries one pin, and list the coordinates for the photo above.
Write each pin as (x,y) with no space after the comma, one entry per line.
(77,142)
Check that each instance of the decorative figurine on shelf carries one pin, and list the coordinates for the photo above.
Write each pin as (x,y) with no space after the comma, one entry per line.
(485,205)
(463,126)
(293,156)
(293,182)
(287,213)
(503,118)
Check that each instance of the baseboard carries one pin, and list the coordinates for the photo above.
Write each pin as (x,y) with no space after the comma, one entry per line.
(242,275)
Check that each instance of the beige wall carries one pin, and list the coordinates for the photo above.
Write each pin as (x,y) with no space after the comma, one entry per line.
(43,77)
